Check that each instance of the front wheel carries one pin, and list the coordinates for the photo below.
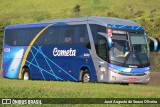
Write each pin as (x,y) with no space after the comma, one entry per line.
(86,76)
(26,75)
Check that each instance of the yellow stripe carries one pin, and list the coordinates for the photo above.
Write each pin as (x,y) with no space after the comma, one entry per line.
(28,49)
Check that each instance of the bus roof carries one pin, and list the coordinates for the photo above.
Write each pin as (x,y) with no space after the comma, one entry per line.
(107,21)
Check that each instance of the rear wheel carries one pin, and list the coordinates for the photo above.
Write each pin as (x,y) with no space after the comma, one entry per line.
(26,75)
(86,76)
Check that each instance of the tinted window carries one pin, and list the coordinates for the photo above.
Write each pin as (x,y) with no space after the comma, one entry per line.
(95,29)
(66,34)
(101,47)
(74,34)
(81,36)
(11,37)
(40,39)
(20,37)
(54,35)
(23,37)
(48,37)
(51,36)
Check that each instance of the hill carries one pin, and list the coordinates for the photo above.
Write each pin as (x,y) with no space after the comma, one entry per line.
(144,12)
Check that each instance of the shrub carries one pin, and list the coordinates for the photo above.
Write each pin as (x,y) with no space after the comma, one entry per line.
(76,10)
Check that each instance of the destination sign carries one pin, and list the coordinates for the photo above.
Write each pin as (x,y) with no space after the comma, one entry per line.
(119,32)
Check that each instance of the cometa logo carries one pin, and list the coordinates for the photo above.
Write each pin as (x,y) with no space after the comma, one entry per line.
(70,52)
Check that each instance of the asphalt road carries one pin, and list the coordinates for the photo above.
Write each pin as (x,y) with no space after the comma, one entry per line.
(155,79)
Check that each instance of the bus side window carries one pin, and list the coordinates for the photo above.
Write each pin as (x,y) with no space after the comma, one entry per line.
(23,37)
(40,40)
(81,36)
(95,29)
(61,36)
(45,41)
(14,42)
(84,38)
(65,35)
(69,35)
(68,40)
(11,37)
(81,39)
(76,39)
(34,32)
(51,36)
(101,48)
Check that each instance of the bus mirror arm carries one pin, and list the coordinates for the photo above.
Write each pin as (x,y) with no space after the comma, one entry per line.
(156,43)
(109,39)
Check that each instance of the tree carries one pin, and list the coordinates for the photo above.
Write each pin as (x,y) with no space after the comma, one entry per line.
(77,10)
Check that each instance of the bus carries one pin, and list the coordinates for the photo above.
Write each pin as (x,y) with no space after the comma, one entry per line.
(97,49)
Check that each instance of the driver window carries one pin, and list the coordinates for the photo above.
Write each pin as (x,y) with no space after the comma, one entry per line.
(102,47)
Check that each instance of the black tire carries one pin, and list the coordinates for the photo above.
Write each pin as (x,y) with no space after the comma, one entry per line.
(86,76)
(26,74)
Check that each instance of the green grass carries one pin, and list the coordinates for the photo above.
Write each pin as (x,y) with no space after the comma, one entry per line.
(26,11)
(56,89)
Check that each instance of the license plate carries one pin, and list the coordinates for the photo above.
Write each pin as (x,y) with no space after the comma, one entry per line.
(132,79)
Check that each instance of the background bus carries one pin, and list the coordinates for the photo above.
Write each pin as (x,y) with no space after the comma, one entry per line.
(78,49)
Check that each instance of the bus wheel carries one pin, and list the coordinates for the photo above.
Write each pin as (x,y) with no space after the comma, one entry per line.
(86,76)
(26,74)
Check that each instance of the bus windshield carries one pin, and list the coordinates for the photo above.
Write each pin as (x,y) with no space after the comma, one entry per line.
(130,50)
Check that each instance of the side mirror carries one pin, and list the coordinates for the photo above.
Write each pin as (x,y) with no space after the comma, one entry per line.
(153,43)
(109,39)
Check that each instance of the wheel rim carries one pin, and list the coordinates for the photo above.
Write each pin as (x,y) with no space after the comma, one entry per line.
(86,77)
(26,76)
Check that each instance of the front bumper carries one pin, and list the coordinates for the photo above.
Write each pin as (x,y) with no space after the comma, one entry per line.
(119,78)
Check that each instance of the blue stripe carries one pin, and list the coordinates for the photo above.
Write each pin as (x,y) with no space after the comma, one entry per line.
(42,69)
(33,57)
(56,65)
(125,27)
(38,65)
(129,70)
(47,63)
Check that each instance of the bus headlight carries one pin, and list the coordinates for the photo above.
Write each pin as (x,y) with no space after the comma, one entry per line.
(102,69)
(147,72)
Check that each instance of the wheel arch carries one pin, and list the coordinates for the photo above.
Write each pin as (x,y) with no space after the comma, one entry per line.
(82,70)
(28,70)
